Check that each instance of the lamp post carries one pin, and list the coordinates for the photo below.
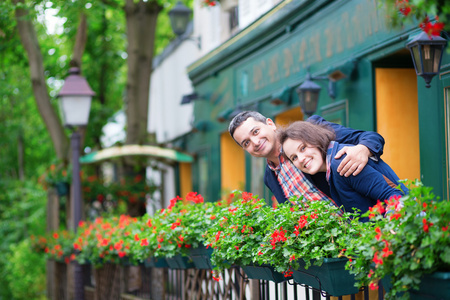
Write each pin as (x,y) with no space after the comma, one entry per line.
(75,102)
(426,53)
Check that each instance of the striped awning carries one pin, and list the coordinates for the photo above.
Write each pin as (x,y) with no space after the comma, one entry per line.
(136,150)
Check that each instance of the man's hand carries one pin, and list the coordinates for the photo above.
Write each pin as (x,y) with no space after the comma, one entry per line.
(355,161)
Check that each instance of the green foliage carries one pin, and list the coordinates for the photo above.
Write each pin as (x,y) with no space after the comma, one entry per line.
(20,121)
(413,240)
(168,233)
(109,198)
(183,225)
(103,240)
(22,211)
(26,272)
(239,231)
(309,232)
(57,173)
(250,232)
(420,9)
(57,245)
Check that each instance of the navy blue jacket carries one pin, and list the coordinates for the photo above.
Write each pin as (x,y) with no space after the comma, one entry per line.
(372,140)
(365,189)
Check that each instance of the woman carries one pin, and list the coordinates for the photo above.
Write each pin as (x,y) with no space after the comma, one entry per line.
(311,149)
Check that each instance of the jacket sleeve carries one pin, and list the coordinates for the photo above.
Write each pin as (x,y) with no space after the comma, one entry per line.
(344,135)
(370,183)
(270,180)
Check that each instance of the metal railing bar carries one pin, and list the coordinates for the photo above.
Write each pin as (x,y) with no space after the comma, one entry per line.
(295,292)
(276,290)
(380,291)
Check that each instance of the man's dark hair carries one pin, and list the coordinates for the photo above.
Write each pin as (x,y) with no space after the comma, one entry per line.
(242,117)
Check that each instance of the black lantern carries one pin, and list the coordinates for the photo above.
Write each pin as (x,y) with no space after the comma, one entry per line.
(180,16)
(427,54)
(308,94)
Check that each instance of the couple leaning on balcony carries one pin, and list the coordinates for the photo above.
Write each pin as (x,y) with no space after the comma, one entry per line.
(319,160)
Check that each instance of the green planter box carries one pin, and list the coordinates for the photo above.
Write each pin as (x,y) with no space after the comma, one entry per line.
(201,257)
(62,188)
(179,262)
(432,286)
(156,262)
(264,273)
(330,277)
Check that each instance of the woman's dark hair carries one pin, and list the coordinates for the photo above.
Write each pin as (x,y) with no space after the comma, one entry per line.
(315,135)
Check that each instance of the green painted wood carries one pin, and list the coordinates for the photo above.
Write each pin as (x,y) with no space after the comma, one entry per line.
(433,161)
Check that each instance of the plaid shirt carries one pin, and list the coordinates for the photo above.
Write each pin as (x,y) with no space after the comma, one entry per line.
(294,183)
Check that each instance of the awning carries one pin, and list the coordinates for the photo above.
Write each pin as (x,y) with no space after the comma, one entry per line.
(136,150)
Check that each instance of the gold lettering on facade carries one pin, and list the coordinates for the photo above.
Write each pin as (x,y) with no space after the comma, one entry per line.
(330,40)
(273,68)
(264,72)
(347,30)
(368,21)
(315,49)
(373,15)
(339,47)
(357,23)
(295,66)
(301,56)
(288,61)
(257,77)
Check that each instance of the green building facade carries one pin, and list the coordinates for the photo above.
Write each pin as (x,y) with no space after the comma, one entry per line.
(376,89)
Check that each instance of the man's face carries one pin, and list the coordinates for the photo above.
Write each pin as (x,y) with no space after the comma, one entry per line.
(257,138)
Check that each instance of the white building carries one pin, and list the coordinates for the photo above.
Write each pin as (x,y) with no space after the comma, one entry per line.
(168,118)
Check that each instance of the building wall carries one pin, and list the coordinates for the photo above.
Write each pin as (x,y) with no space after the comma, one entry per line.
(169,82)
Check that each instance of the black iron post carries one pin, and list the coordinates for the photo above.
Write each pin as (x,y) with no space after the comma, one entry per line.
(76,208)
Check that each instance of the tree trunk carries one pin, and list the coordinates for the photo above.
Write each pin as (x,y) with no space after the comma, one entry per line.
(30,43)
(80,42)
(141,27)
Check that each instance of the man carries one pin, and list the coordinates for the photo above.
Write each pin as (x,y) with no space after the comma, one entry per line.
(257,135)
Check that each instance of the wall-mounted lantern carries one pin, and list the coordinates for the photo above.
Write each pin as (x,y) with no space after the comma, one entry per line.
(180,16)
(426,54)
(308,94)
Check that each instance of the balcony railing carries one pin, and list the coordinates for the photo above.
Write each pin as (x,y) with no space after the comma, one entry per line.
(119,282)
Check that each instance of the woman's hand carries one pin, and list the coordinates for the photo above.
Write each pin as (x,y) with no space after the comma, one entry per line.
(355,161)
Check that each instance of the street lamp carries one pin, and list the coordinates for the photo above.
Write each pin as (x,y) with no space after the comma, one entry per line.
(75,102)
(426,53)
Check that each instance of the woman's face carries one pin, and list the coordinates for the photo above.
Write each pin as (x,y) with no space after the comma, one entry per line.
(305,157)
